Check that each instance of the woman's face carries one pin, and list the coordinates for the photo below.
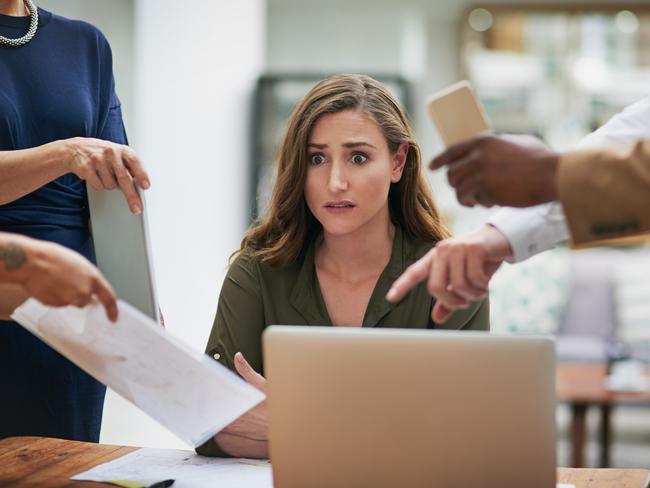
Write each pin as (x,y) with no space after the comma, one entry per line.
(350,169)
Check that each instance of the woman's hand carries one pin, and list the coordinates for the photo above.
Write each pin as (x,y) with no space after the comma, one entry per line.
(105,165)
(248,435)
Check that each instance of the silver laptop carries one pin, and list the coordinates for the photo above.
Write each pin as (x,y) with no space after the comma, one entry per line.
(122,249)
(416,408)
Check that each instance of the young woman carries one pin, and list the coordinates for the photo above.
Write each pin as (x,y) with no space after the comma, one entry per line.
(350,211)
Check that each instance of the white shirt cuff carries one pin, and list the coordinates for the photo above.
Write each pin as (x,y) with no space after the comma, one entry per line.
(531,230)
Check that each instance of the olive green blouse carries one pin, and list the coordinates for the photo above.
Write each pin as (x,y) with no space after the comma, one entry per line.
(255,295)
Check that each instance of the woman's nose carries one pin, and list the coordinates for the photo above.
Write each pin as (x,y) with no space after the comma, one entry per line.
(338,181)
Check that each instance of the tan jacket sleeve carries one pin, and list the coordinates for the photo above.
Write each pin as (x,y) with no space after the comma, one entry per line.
(606,193)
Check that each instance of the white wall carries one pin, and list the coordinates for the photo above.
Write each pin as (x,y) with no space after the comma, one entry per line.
(196,69)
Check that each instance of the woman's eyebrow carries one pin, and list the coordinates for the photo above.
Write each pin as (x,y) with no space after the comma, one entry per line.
(348,145)
(351,145)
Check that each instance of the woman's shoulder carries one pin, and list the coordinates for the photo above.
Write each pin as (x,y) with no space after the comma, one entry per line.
(249,261)
(243,262)
(79,27)
(250,276)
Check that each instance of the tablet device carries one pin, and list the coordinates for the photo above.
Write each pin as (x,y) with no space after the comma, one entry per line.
(457,113)
(122,249)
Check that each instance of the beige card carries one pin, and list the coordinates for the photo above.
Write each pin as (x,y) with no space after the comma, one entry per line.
(457,113)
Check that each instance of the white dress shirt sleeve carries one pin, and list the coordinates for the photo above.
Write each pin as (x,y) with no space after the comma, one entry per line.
(536,229)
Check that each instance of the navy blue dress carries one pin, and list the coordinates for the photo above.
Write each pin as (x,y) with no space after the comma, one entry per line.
(57,86)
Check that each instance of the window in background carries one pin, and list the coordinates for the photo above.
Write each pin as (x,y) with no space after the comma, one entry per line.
(275,98)
(556,71)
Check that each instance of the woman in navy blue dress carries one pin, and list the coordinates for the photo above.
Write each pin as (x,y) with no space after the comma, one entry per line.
(60,124)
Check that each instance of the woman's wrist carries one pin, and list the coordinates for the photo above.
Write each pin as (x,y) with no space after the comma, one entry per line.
(59,154)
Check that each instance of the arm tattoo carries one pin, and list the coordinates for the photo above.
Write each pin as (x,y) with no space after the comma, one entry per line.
(13,256)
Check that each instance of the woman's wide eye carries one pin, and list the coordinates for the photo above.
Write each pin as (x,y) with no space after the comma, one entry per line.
(317,159)
(359,159)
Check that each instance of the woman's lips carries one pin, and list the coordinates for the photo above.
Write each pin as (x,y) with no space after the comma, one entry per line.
(339,207)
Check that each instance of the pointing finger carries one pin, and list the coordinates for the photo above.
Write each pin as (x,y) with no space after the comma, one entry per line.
(413,275)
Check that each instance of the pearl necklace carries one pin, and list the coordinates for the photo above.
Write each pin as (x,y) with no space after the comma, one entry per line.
(33,25)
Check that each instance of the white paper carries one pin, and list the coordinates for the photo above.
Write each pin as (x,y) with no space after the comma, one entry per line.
(148,466)
(187,392)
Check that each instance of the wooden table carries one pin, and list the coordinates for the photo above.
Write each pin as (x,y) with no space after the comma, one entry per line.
(37,461)
(581,386)
(40,461)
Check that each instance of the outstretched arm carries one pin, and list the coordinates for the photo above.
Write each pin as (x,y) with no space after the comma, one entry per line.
(50,273)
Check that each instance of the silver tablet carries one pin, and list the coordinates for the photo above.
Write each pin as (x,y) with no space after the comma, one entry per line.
(123,250)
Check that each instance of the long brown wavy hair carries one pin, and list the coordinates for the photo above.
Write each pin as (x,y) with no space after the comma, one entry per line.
(288,226)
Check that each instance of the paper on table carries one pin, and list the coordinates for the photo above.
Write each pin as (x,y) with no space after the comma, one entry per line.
(149,466)
(184,390)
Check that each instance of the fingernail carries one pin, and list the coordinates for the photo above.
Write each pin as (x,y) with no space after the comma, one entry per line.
(391,293)
(136,209)
(146,184)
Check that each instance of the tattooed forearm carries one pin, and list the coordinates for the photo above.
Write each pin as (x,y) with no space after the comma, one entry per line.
(13,256)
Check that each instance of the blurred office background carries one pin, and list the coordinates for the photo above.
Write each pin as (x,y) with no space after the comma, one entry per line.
(206,88)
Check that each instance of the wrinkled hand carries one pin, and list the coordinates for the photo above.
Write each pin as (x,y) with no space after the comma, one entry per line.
(517,171)
(57,276)
(247,436)
(457,270)
(105,165)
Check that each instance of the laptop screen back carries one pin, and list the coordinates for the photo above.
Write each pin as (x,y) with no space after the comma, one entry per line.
(382,407)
